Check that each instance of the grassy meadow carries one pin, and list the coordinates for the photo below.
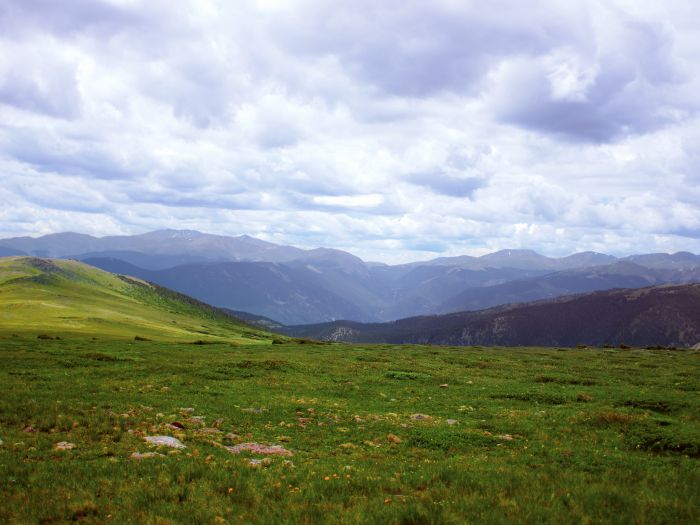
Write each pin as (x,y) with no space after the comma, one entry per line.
(525,435)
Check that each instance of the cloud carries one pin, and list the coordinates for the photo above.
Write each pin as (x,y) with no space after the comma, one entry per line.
(397,130)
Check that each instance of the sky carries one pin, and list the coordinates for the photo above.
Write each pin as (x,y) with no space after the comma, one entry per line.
(396,130)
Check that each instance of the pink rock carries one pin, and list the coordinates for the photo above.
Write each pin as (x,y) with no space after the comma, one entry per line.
(164,441)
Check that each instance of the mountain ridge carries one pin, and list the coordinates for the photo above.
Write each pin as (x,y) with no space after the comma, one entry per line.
(667,315)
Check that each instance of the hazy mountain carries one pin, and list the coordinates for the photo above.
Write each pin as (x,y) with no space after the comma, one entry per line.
(522,259)
(161,242)
(9,252)
(423,289)
(146,261)
(621,274)
(284,293)
(666,315)
(676,261)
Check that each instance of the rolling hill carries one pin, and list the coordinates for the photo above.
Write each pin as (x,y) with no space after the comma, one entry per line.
(57,298)
(666,315)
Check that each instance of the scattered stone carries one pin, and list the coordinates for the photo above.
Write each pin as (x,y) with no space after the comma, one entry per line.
(187,410)
(451,421)
(347,445)
(358,419)
(164,441)
(209,431)
(176,425)
(29,429)
(257,448)
(444,385)
(420,417)
(393,438)
(256,463)
(288,463)
(145,455)
(506,437)
(196,421)
(64,445)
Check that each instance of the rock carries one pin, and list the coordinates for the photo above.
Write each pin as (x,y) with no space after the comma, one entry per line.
(257,448)
(420,417)
(451,421)
(506,437)
(176,425)
(145,455)
(64,445)
(196,421)
(256,463)
(164,441)
(187,410)
(444,385)
(393,438)
(209,431)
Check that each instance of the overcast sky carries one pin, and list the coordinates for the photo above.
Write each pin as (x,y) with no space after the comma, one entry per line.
(397,130)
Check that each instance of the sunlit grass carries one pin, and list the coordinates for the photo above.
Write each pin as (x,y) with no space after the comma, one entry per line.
(536,435)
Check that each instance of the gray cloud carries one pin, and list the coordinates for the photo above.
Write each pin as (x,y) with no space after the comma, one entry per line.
(65,18)
(416,49)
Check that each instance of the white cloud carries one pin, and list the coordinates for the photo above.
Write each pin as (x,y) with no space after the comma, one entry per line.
(396,131)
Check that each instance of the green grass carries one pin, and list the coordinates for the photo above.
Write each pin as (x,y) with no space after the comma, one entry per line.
(62,298)
(542,435)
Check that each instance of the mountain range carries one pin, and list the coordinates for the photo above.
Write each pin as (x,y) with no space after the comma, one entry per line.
(295,286)
(667,315)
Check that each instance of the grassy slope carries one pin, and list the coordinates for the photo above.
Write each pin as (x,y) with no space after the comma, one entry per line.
(598,436)
(67,298)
